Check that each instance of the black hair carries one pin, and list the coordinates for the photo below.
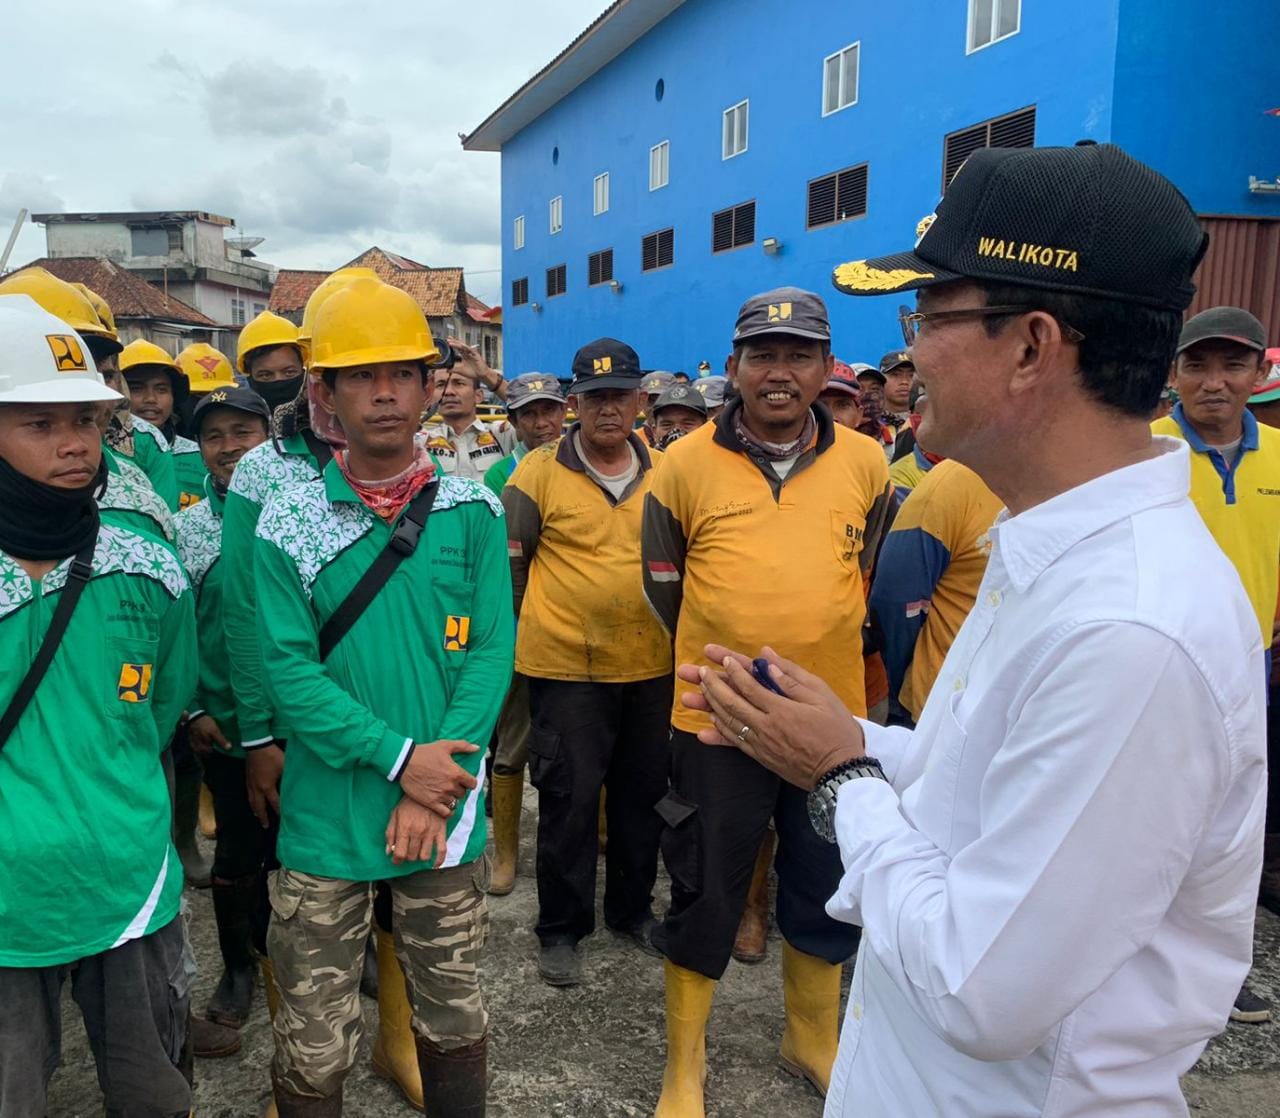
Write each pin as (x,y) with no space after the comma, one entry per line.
(330,376)
(1127,348)
(263,350)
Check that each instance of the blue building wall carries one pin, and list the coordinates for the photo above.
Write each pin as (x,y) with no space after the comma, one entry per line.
(1193,82)
(917,83)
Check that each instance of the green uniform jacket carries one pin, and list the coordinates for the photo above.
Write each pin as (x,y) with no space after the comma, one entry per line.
(86,861)
(189,471)
(129,500)
(262,471)
(154,456)
(199,547)
(430,658)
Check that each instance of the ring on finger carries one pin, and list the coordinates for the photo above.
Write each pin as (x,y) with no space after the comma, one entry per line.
(742,734)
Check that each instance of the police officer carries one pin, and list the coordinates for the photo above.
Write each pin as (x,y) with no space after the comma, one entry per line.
(461,442)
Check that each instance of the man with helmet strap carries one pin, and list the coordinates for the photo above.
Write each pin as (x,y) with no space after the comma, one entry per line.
(376,726)
(84,819)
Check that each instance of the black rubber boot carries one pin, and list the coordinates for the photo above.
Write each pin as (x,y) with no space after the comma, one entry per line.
(455,1082)
(186,809)
(302,1106)
(233,903)
(369,970)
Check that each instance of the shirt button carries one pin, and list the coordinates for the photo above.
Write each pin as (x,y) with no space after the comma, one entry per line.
(857,1011)
(958,685)
(994,598)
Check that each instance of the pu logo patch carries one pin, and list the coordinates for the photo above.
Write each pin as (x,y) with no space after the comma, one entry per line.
(134,684)
(779,312)
(68,357)
(536,385)
(601,365)
(457,632)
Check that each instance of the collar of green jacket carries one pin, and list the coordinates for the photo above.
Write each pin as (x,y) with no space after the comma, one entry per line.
(727,437)
(216,500)
(567,451)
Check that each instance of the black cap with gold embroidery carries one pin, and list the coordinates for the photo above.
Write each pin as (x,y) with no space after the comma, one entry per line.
(785,310)
(605,363)
(238,399)
(1088,219)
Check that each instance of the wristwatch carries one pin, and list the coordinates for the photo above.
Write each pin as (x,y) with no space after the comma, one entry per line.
(822,800)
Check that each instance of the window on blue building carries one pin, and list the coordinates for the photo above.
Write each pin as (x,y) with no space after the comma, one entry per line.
(659,165)
(734,227)
(735,130)
(520,291)
(600,267)
(658,250)
(517,232)
(556,213)
(840,196)
(600,194)
(840,79)
(993,20)
(556,281)
(1013,130)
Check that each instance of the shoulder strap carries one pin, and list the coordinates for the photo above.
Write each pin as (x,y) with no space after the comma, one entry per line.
(403,543)
(321,451)
(77,579)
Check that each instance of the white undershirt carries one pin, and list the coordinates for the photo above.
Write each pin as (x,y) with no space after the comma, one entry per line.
(615,484)
(782,466)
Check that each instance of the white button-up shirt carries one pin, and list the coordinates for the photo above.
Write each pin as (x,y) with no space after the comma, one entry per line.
(1058,887)
(474,450)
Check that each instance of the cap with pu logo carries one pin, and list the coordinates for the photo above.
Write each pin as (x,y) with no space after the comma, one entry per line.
(1088,219)
(896,359)
(605,363)
(785,310)
(533,386)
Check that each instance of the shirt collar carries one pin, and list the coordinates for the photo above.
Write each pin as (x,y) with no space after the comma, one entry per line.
(567,452)
(1027,544)
(1249,441)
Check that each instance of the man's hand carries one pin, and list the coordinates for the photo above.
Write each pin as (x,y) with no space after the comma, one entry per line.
(434,779)
(471,364)
(206,735)
(801,734)
(415,833)
(262,769)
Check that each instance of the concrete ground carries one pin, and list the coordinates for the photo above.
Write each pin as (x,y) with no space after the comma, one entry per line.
(597,1051)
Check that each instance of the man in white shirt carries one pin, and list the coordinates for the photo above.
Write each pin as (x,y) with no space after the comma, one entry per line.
(1056,870)
(462,443)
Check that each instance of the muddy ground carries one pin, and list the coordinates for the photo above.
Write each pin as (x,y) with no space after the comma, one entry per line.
(597,1051)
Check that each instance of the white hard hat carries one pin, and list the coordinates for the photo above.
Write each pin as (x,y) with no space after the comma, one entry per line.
(44,361)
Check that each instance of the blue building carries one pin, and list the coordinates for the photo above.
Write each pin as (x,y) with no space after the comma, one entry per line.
(680,155)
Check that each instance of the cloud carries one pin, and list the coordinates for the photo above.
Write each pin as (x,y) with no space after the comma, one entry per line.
(252,97)
(30,189)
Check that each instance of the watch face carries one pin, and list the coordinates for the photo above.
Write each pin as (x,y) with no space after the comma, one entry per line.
(820,815)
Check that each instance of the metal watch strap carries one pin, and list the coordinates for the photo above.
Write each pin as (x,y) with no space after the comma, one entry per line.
(822,800)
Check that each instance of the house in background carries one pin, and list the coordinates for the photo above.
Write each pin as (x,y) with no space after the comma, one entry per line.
(141,311)
(185,254)
(681,155)
(451,311)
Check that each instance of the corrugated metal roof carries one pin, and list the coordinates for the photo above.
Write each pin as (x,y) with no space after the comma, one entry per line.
(1241,269)
(612,32)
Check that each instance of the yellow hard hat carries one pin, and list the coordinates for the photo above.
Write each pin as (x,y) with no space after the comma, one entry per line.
(264,331)
(369,321)
(101,307)
(142,352)
(57,296)
(205,368)
(335,281)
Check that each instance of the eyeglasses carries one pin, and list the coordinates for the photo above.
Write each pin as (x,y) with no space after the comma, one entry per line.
(911,321)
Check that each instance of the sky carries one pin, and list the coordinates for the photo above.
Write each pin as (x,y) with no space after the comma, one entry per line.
(321,125)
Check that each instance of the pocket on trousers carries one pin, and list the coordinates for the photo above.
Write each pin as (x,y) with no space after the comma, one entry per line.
(681,841)
(286,894)
(546,768)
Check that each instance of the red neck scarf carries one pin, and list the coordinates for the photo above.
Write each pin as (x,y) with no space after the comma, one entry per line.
(388,497)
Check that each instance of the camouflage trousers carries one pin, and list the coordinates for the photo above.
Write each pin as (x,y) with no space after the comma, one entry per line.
(512,753)
(316,943)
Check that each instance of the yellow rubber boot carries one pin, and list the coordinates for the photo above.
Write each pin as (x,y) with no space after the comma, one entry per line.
(208,821)
(508,793)
(395,1056)
(811,990)
(689,997)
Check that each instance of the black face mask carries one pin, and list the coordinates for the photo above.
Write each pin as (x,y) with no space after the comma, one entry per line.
(276,392)
(39,521)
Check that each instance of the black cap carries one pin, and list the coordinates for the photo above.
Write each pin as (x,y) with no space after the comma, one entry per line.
(785,310)
(605,363)
(861,369)
(1232,324)
(238,399)
(1088,219)
(895,359)
(680,396)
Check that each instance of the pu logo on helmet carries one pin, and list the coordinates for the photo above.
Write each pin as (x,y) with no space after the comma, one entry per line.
(779,312)
(134,684)
(457,632)
(601,365)
(68,356)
